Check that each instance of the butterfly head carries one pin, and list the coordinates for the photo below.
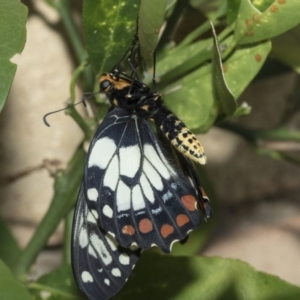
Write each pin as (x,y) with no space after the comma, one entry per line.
(110,82)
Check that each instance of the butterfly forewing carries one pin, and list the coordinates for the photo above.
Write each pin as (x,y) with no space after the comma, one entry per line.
(100,266)
(138,196)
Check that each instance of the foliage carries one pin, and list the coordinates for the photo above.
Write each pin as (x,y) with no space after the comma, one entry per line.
(219,67)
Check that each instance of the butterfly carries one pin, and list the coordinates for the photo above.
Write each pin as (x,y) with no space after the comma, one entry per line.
(139,187)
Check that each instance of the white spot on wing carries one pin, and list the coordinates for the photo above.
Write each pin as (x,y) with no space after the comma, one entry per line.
(133,246)
(92,216)
(137,198)
(92,194)
(83,238)
(101,249)
(116,272)
(172,243)
(86,276)
(152,156)
(123,196)
(130,160)
(157,210)
(168,195)
(124,259)
(191,181)
(112,174)
(140,213)
(111,242)
(102,152)
(107,211)
(153,176)
(106,281)
(92,252)
(146,187)
(111,233)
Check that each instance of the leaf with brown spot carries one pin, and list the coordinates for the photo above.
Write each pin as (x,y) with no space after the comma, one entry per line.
(279,17)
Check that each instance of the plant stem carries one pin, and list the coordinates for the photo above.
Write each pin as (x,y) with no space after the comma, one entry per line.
(64,10)
(67,237)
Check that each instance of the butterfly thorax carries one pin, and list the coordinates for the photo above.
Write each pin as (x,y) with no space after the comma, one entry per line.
(131,95)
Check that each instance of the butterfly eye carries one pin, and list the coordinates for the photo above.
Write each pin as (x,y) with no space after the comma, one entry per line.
(104,85)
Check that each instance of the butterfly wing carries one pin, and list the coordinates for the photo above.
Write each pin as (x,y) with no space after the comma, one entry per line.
(135,191)
(100,266)
(189,171)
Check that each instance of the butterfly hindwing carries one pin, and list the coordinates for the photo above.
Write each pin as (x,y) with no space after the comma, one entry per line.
(100,266)
(138,195)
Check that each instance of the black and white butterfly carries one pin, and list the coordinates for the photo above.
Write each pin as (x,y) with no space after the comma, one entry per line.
(139,187)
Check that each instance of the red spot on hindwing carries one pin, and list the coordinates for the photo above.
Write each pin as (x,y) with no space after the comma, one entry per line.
(189,202)
(182,219)
(145,226)
(166,230)
(128,229)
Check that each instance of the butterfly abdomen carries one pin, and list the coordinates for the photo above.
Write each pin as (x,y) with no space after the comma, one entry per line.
(179,135)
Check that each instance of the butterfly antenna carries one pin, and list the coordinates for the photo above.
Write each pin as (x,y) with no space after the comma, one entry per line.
(85,97)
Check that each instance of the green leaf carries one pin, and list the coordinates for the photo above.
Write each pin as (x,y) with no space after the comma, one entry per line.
(179,278)
(223,94)
(13,15)
(243,65)
(10,288)
(253,26)
(9,250)
(192,98)
(57,285)
(178,62)
(286,48)
(151,18)
(232,10)
(109,26)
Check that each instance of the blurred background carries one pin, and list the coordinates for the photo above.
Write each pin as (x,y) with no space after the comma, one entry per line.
(257,216)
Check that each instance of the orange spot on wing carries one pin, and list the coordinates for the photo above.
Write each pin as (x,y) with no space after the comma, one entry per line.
(189,202)
(145,226)
(182,220)
(128,229)
(166,230)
